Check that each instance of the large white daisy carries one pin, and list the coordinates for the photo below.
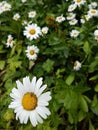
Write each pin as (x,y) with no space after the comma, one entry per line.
(32,52)
(79,2)
(29,102)
(32,31)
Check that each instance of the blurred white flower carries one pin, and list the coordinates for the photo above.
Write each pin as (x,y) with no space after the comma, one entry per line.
(93,12)
(23,1)
(71,16)
(32,31)
(77,65)
(74,33)
(82,21)
(10,41)
(4,6)
(45,30)
(16,16)
(72,7)
(96,34)
(29,102)
(60,19)
(92,5)
(32,14)
(32,52)
(87,17)
(79,2)
(73,22)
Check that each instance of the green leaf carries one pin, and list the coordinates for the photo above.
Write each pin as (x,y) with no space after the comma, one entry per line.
(81,115)
(2,64)
(86,48)
(70,79)
(48,65)
(91,127)
(83,104)
(96,88)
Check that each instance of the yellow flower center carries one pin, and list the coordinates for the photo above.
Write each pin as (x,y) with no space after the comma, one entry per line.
(32,52)
(10,41)
(29,101)
(96,37)
(32,31)
(75,64)
(78,1)
(93,11)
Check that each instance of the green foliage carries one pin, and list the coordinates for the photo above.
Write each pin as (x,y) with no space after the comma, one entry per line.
(74,104)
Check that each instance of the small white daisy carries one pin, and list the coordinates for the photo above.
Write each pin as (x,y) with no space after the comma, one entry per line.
(31,52)
(82,21)
(32,14)
(16,16)
(10,41)
(6,6)
(92,5)
(72,7)
(73,22)
(29,102)
(79,2)
(74,33)
(23,1)
(77,65)
(60,19)
(96,34)
(45,30)
(32,31)
(71,16)
(93,12)
(87,17)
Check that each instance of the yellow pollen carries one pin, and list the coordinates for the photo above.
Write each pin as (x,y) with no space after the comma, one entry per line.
(75,33)
(78,1)
(29,101)
(75,63)
(93,11)
(96,37)
(32,52)
(32,31)
(10,41)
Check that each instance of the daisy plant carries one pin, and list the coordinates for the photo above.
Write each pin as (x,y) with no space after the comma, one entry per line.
(56,40)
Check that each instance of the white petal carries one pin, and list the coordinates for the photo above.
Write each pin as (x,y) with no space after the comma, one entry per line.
(33,82)
(41,90)
(39,119)
(45,96)
(41,112)
(33,118)
(38,85)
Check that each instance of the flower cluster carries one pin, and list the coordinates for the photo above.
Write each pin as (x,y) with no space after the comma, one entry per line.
(57,40)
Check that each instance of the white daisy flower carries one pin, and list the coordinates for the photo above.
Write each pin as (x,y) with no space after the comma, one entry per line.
(92,5)
(10,41)
(16,16)
(96,34)
(93,12)
(6,6)
(82,21)
(77,65)
(32,14)
(71,16)
(74,33)
(31,52)
(32,31)
(23,1)
(73,22)
(45,30)
(60,19)
(79,2)
(87,17)
(72,7)
(29,102)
